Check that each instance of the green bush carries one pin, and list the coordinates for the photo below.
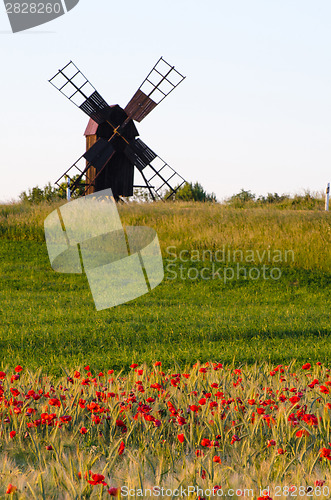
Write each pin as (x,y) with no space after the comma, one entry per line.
(306,201)
(50,193)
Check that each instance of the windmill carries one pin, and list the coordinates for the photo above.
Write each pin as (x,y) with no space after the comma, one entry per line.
(113,147)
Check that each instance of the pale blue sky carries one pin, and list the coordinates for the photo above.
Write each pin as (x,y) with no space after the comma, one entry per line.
(253,112)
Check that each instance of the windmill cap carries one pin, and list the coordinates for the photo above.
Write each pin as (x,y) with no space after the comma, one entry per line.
(92,126)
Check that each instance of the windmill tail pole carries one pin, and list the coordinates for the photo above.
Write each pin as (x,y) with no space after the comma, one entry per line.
(327,197)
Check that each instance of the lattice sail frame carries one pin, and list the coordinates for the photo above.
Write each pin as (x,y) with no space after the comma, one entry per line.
(159,177)
(159,83)
(78,168)
(162,179)
(71,82)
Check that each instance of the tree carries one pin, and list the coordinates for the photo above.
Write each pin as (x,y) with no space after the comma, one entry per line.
(271,198)
(239,199)
(192,192)
(79,191)
(141,195)
(38,195)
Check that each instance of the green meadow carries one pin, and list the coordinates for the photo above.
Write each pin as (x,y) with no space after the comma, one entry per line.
(218,300)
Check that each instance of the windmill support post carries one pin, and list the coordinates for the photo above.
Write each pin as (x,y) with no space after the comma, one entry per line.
(68,189)
(327,197)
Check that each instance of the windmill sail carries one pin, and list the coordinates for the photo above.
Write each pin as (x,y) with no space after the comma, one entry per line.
(71,82)
(161,179)
(162,79)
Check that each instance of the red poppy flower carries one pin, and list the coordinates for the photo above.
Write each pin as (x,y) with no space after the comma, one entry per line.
(325,453)
(12,434)
(97,479)
(194,408)
(301,433)
(18,369)
(181,420)
(313,383)
(114,492)
(280,451)
(134,365)
(181,438)
(54,402)
(306,366)
(217,459)
(205,442)
(83,430)
(120,423)
(49,447)
(235,438)
(121,448)
(294,399)
(319,482)
(156,386)
(65,419)
(2,375)
(157,363)
(271,442)
(11,489)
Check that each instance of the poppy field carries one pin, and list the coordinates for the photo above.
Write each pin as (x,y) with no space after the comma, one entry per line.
(257,431)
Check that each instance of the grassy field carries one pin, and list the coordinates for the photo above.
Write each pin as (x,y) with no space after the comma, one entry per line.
(77,422)
(49,319)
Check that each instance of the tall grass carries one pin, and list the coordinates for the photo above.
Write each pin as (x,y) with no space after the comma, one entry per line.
(203,226)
